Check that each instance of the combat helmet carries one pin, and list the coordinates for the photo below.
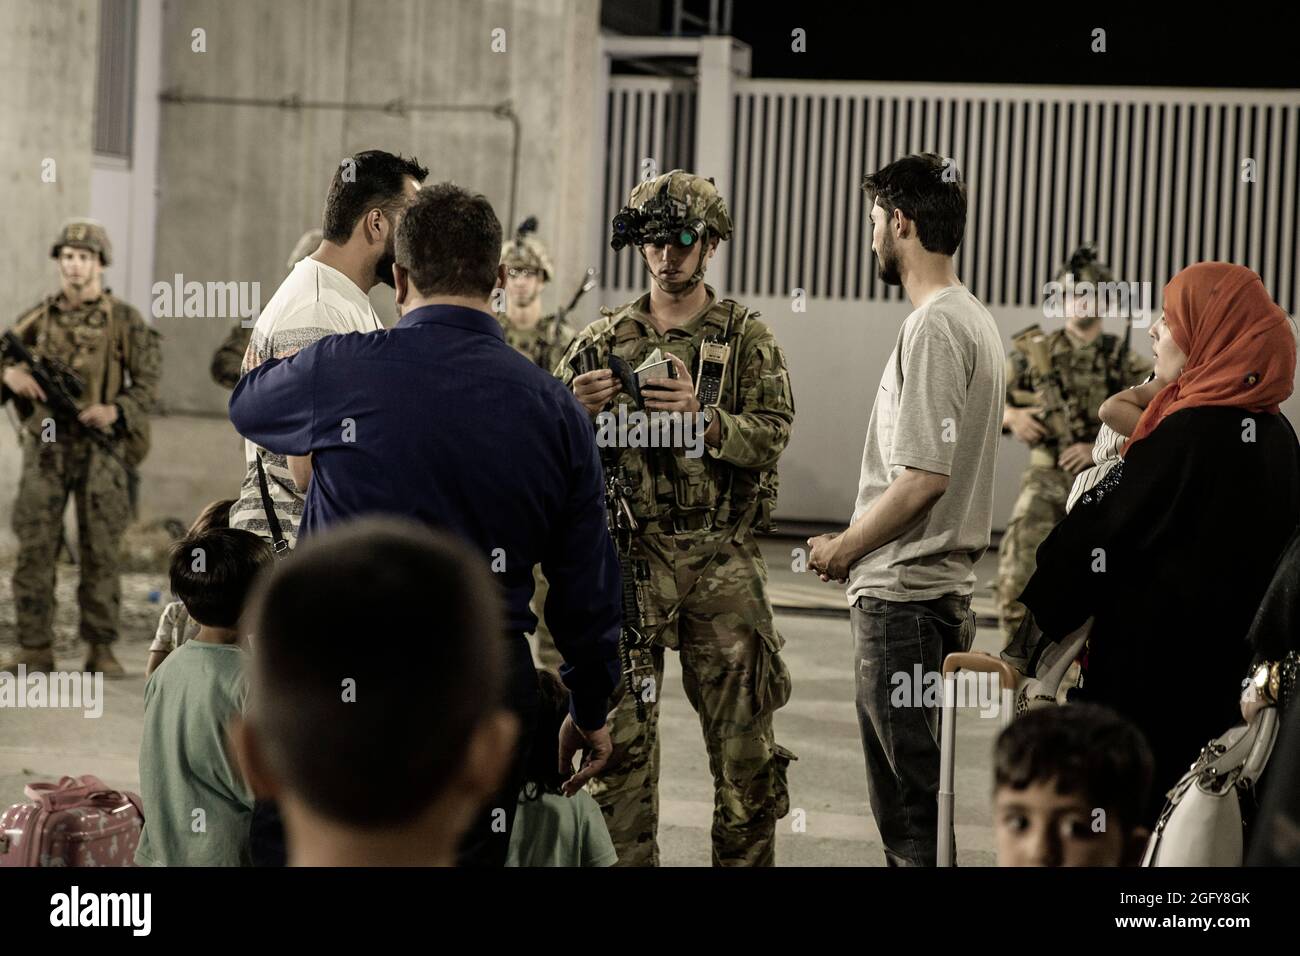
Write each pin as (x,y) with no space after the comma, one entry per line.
(1085,265)
(526,251)
(84,234)
(307,243)
(677,207)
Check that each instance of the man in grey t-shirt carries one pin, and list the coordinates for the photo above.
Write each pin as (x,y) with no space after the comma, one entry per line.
(925,499)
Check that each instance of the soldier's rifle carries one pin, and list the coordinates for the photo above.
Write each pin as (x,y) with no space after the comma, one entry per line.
(586,285)
(634,573)
(1058,413)
(633,644)
(62,387)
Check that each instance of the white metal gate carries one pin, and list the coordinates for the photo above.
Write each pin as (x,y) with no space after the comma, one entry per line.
(1158,178)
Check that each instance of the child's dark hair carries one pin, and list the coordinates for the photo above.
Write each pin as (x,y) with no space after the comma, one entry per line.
(334,721)
(215,514)
(1083,748)
(213,571)
(542,775)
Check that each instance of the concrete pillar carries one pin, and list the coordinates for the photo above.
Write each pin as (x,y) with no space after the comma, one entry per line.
(124,193)
(48,53)
(721,60)
(144,161)
(598,156)
(577,207)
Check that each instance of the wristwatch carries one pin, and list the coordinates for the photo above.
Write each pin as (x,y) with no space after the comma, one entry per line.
(709,412)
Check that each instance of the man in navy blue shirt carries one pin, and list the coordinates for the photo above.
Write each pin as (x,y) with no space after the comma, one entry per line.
(438,419)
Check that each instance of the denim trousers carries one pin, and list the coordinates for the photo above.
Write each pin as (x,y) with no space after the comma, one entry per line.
(895,643)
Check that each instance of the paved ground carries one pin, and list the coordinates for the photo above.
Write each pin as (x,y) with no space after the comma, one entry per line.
(819,724)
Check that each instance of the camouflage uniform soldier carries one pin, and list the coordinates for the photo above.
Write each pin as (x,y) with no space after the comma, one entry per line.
(106,343)
(542,339)
(229,357)
(704,593)
(1055,413)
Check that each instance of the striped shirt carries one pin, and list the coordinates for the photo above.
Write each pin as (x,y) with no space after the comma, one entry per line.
(314,301)
(175,627)
(1105,455)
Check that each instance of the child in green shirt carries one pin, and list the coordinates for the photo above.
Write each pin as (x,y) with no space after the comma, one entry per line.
(552,829)
(196,805)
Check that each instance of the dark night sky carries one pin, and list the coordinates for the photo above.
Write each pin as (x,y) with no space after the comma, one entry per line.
(1243,45)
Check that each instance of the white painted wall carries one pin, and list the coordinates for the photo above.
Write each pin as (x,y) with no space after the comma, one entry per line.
(836,352)
(123,194)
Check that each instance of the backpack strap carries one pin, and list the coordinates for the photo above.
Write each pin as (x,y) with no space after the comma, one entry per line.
(278,540)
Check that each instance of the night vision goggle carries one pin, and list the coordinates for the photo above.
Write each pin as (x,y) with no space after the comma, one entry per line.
(661,221)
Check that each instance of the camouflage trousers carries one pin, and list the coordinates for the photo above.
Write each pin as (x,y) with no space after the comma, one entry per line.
(50,472)
(548,655)
(717,616)
(1041,504)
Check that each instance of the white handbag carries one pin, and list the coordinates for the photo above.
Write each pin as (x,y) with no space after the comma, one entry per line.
(1202,824)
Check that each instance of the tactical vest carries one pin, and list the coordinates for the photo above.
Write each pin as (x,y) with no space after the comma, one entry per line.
(670,491)
(1089,375)
(95,343)
(541,344)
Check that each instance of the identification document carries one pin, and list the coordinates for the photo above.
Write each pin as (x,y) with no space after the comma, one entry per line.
(656,365)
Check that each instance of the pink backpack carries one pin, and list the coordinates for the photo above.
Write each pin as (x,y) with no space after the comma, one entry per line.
(75,822)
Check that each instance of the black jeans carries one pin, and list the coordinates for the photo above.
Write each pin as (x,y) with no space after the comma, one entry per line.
(486,842)
(894,643)
(488,838)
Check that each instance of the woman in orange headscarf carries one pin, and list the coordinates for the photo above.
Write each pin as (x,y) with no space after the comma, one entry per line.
(1221,342)
(1170,555)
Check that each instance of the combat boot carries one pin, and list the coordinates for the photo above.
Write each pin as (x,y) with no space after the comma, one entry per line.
(34,658)
(100,659)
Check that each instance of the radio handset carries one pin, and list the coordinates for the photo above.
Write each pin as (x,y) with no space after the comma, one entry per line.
(711,371)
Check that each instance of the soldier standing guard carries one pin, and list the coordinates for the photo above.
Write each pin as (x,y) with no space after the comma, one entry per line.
(540,338)
(1056,383)
(105,343)
(693,522)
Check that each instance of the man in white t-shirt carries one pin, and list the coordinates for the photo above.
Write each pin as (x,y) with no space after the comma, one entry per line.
(325,294)
(925,499)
